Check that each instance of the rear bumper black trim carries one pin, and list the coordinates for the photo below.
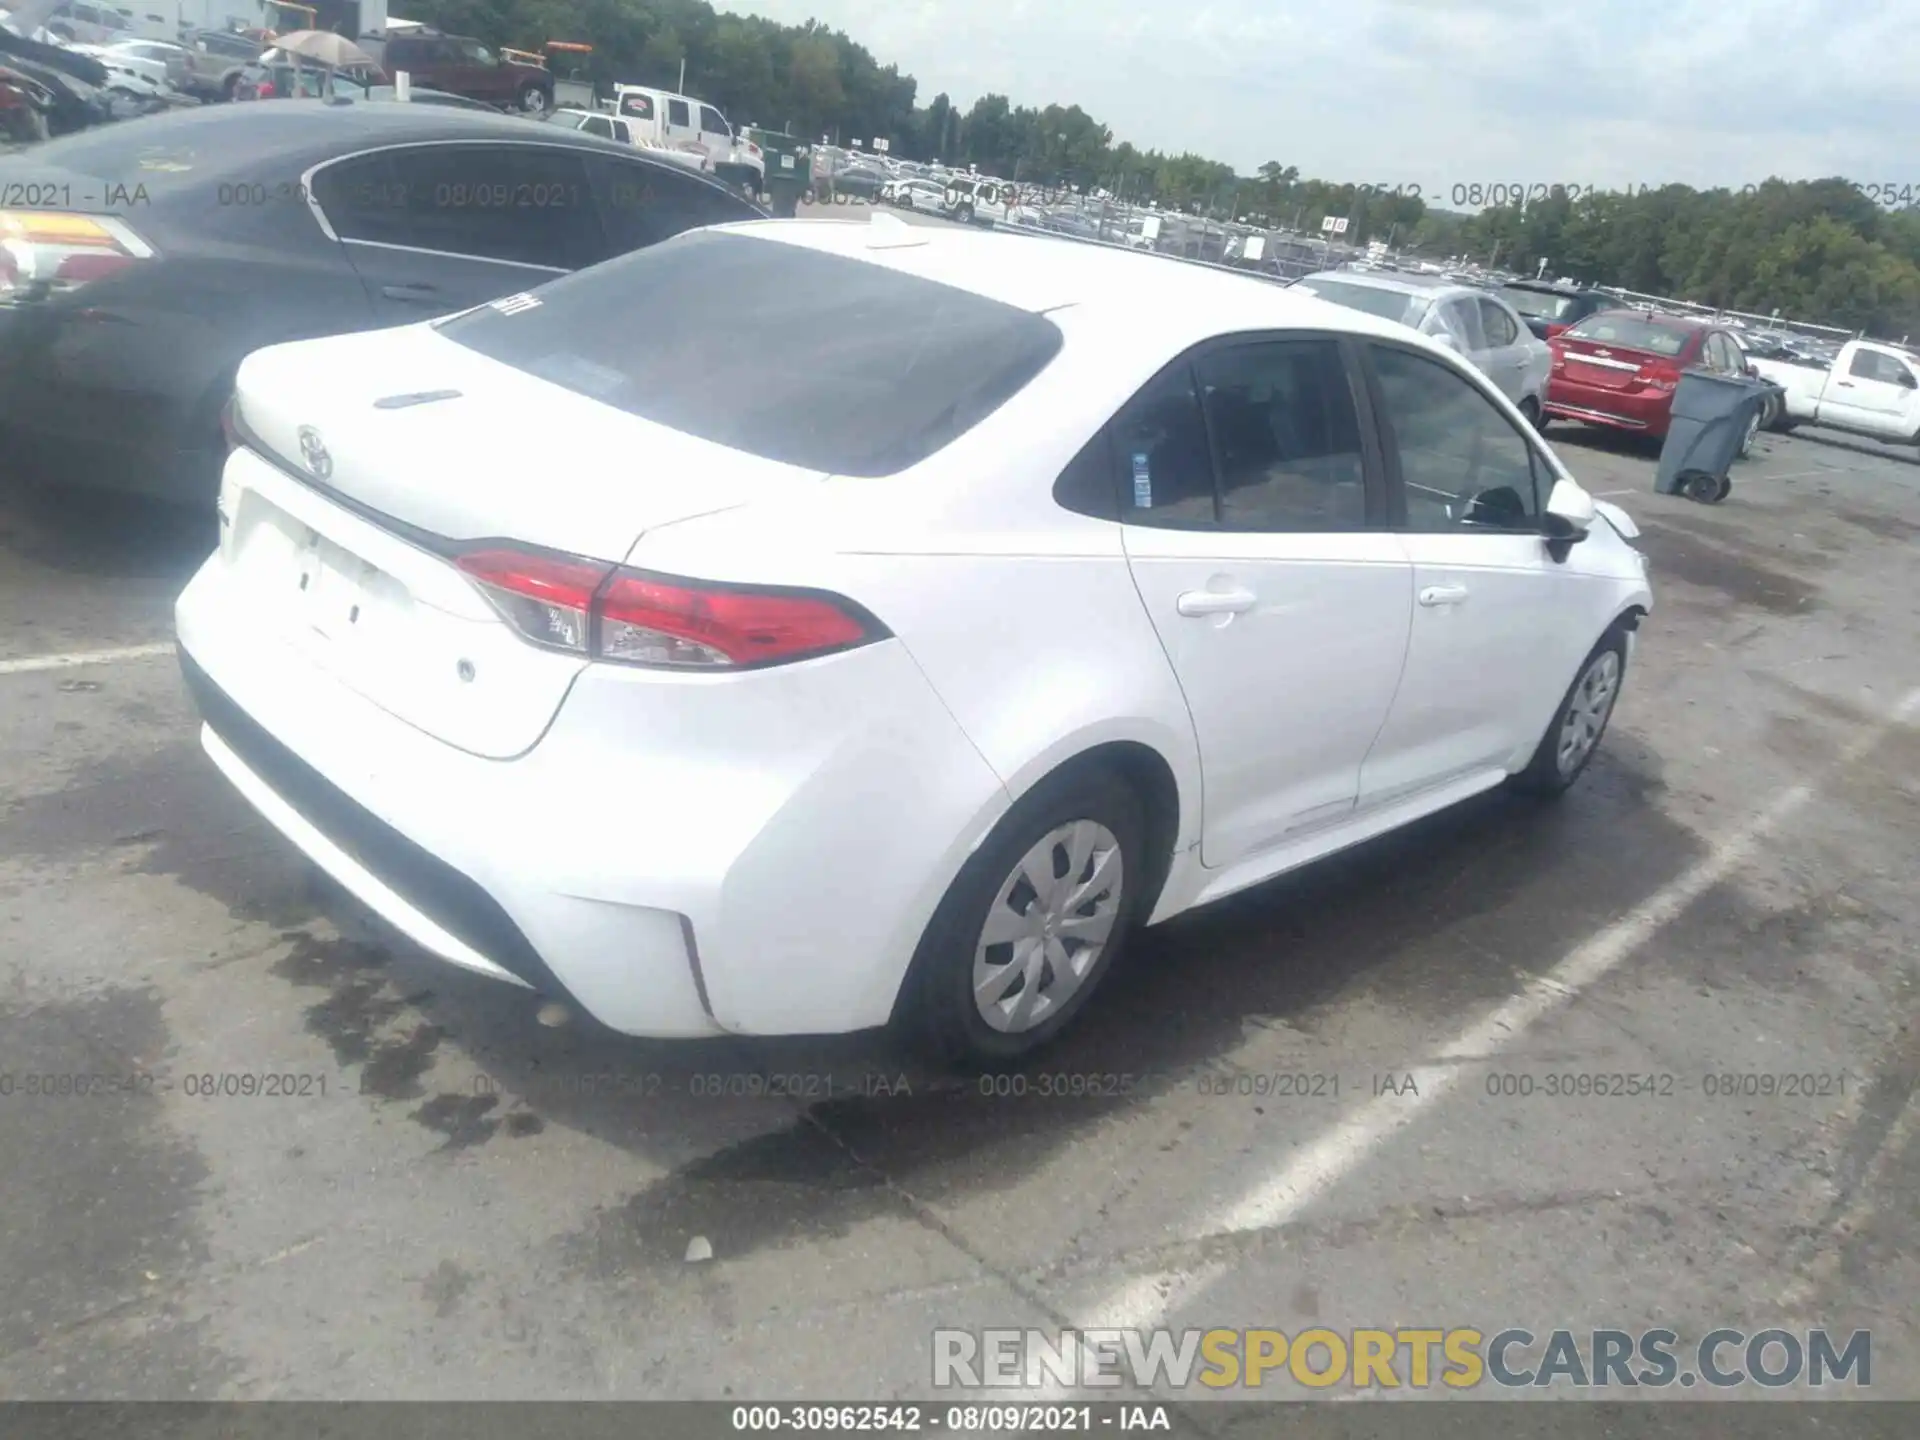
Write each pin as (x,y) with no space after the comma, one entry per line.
(452,900)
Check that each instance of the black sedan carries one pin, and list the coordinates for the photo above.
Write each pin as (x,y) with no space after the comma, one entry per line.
(1549,308)
(145,260)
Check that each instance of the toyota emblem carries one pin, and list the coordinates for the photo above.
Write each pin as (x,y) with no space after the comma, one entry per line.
(313,452)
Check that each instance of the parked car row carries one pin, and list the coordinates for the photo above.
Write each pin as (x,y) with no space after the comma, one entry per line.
(1481,326)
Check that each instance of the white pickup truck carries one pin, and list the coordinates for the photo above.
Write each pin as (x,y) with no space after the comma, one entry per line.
(1871,389)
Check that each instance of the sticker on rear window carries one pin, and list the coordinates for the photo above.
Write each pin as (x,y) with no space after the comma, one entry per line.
(515,304)
(1142,482)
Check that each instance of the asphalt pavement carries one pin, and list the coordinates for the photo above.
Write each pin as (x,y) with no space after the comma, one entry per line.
(1327,1102)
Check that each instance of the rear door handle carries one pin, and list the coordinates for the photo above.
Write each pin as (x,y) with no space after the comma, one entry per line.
(1443,594)
(1216,602)
(424,294)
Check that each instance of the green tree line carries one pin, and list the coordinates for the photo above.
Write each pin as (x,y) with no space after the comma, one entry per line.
(1816,250)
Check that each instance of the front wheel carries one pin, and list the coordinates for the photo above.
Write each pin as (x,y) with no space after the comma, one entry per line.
(1032,923)
(1530,408)
(1574,735)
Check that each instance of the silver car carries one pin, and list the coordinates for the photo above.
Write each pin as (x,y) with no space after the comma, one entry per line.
(1480,325)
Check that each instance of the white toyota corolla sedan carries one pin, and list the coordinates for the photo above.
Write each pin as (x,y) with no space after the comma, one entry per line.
(802,625)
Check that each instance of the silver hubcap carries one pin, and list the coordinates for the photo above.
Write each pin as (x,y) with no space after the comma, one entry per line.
(1587,712)
(1047,926)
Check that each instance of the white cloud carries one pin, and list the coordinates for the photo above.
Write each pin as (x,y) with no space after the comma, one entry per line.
(1440,92)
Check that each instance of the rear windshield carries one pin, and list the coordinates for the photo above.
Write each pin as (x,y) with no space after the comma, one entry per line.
(1387,304)
(783,352)
(1631,332)
(1539,304)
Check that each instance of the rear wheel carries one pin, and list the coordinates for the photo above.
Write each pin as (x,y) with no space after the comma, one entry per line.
(1574,734)
(533,100)
(1752,431)
(1530,408)
(1033,921)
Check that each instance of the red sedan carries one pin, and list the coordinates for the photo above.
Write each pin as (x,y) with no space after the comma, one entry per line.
(1619,368)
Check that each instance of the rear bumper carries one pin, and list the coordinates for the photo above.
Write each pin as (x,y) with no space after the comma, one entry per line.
(116,461)
(102,406)
(641,861)
(1642,414)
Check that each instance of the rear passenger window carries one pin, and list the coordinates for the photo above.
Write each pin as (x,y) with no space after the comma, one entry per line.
(1160,447)
(1496,324)
(677,113)
(1086,485)
(1462,463)
(518,204)
(642,204)
(1287,437)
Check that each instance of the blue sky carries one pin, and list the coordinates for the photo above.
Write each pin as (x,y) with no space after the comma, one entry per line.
(1441,92)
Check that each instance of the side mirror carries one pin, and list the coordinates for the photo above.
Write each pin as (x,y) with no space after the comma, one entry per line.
(1570,515)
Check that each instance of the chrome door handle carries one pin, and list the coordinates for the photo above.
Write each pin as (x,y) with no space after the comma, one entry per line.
(1443,594)
(1216,602)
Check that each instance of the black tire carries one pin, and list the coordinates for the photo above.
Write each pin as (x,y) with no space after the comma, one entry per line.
(1530,408)
(532,100)
(1545,776)
(964,214)
(939,1008)
(1752,433)
(1705,488)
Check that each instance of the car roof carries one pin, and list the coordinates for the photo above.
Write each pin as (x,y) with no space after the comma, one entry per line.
(1176,300)
(1554,287)
(182,151)
(1396,280)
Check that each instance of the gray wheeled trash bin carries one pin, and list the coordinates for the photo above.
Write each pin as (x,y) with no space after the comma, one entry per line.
(1711,413)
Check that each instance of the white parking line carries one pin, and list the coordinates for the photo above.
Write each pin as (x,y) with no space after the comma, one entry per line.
(1316,1167)
(33,663)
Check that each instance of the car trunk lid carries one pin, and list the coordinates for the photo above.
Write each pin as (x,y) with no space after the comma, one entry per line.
(1608,366)
(372,461)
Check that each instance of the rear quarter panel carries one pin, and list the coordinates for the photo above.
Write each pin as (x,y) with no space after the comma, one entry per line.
(1023,615)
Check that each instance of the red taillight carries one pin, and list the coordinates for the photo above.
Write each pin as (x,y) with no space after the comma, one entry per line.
(632,618)
(44,253)
(263,91)
(547,599)
(1658,376)
(649,620)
